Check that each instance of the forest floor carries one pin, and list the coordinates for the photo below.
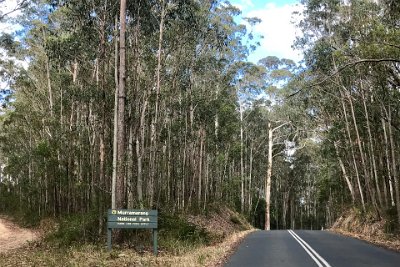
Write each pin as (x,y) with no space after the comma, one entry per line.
(12,236)
(367,229)
(228,225)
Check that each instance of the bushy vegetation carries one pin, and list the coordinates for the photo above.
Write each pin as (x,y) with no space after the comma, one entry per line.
(178,235)
(76,229)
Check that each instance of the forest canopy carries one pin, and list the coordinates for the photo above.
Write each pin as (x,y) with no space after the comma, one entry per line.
(153,104)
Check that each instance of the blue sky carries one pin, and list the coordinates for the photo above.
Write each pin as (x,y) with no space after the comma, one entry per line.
(276,27)
(258,4)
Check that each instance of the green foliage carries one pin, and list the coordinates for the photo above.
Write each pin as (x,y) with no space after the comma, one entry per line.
(75,229)
(177,234)
(349,49)
(8,201)
(391,223)
(258,216)
(319,58)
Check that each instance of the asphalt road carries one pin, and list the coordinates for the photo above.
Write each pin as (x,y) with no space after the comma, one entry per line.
(307,249)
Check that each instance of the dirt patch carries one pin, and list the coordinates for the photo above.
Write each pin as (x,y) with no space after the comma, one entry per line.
(12,236)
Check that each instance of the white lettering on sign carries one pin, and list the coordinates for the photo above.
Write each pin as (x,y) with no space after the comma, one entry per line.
(125,212)
(126,219)
(133,219)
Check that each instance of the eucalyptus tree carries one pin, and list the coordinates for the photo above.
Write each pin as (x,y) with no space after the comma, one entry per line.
(174,92)
(352,61)
(278,71)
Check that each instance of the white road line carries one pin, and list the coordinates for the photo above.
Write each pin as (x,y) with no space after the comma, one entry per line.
(309,250)
(312,250)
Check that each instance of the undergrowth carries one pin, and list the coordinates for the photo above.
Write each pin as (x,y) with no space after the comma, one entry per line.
(75,241)
(75,230)
(391,223)
(175,234)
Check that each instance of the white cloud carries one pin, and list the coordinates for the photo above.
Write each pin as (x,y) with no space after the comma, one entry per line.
(9,27)
(243,5)
(10,9)
(278,30)
(248,3)
(10,5)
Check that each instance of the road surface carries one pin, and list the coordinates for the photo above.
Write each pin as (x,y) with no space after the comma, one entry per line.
(307,249)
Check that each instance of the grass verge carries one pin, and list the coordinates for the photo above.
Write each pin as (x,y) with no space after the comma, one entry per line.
(184,240)
(91,255)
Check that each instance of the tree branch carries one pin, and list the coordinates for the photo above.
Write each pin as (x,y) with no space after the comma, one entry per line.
(354,63)
(18,7)
(277,127)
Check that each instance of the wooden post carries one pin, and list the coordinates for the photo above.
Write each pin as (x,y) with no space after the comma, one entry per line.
(155,242)
(109,238)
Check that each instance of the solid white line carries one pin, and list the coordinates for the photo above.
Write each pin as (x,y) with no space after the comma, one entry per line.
(308,252)
(311,249)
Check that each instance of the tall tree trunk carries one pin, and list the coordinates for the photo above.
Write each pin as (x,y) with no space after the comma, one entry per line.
(389,169)
(241,161)
(371,147)
(102,152)
(120,183)
(154,123)
(250,197)
(200,173)
(352,152)
(346,177)
(268,180)
(342,100)
(115,135)
(140,150)
(48,78)
(130,168)
(394,165)
(285,205)
(362,156)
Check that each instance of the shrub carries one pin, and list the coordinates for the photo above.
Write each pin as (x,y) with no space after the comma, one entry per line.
(76,229)
(391,224)
(177,235)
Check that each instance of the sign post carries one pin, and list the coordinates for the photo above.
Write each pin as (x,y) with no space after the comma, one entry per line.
(132,219)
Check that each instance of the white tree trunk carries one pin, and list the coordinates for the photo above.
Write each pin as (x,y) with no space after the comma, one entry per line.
(268,180)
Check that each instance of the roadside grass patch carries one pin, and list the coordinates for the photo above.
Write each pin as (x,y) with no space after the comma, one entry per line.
(93,255)
(183,240)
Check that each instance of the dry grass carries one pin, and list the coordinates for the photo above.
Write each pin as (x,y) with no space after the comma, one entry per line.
(369,230)
(37,254)
(223,222)
(224,227)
